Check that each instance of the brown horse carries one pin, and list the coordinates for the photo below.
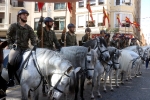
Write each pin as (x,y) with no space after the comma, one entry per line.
(3,83)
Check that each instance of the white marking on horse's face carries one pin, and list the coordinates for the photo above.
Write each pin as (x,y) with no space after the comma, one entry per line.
(90,64)
(61,86)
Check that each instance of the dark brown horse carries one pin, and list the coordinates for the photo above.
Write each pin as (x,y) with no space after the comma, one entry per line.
(3,83)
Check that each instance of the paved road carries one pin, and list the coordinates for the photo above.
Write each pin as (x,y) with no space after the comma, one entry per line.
(137,89)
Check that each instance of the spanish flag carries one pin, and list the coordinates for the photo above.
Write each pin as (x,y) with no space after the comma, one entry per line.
(105,16)
(136,25)
(40,5)
(128,20)
(118,18)
(70,8)
(89,9)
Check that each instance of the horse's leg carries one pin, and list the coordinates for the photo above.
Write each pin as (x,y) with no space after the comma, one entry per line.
(93,83)
(24,91)
(122,75)
(116,77)
(110,79)
(76,86)
(3,86)
(98,85)
(106,75)
(82,86)
(130,70)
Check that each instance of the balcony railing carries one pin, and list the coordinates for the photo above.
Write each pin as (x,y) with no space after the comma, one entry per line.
(18,4)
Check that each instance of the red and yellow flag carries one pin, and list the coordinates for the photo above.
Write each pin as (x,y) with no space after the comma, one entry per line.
(136,25)
(128,20)
(70,8)
(40,5)
(105,16)
(118,18)
(89,9)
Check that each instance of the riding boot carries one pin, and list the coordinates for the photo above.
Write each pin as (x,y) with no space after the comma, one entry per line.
(11,75)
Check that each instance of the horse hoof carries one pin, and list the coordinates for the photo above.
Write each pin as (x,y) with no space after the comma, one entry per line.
(130,78)
(117,86)
(112,90)
(92,97)
(135,76)
(102,79)
(82,99)
(99,96)
(126,79)
(105,91)
(122,83)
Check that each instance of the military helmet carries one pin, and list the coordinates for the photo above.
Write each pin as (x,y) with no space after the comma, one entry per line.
(71,25)
(23,11)
(102,31)
(48,19)
(107,35)
(87,29)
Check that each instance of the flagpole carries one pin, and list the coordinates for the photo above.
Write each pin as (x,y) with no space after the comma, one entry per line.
(65,27)
(88,18)
(42,29)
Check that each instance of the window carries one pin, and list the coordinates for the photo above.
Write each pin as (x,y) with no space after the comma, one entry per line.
(36,21)
(81,3)
(118,2)
(126,2)
(100,19)
(59,6)
(100,2)
(2,1)
(1,20)
(90,22)
(123,16)
(81,20)
(92,2)
(59,23)
(37,9)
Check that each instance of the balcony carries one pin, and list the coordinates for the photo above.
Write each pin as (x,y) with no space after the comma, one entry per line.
(17,4)
(4,26)
(2,9)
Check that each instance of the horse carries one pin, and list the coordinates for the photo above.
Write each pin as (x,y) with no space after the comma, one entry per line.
(78,56)
(114,57)
(125,63)
(137,63)
(3,83)
(35,69)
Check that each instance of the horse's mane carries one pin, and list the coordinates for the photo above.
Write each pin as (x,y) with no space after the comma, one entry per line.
(92,42)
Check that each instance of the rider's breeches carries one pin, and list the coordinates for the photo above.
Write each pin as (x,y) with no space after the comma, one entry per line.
(12,56)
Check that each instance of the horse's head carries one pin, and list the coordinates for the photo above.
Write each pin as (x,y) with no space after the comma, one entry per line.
(140,51)
(91,58)
(115,58)
(102,49)
(63,85)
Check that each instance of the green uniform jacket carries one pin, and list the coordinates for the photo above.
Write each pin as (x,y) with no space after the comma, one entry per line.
(20,35)
(85,38)
(49,37)
(113,43)
(70,39)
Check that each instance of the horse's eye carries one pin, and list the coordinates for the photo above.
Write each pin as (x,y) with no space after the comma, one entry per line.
(88,61)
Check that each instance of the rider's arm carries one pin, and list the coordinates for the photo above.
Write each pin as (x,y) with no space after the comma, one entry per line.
(39,31)
(9,35)
(32,37)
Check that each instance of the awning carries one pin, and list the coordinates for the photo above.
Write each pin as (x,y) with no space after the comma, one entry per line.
(51,0)
(2,15)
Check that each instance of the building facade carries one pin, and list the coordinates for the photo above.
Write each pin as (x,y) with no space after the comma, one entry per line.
(121,8)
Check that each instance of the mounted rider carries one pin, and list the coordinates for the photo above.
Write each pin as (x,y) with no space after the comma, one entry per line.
(107,37)
(49,36)
(102,34)
(86,37)
(18,36)
(71,39)
(113,42)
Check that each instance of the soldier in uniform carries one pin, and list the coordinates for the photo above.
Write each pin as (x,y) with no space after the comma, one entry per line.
(70,36)
(107,37)
(133,42)
(49,36)
(102,34)
(86,37)
(113,42)
(121,41)
(18,36)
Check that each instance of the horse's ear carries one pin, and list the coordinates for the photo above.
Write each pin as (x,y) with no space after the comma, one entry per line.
(89,48)
(4,44)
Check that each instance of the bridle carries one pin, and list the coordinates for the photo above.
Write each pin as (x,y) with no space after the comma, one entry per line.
(112,58)
(87,69)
